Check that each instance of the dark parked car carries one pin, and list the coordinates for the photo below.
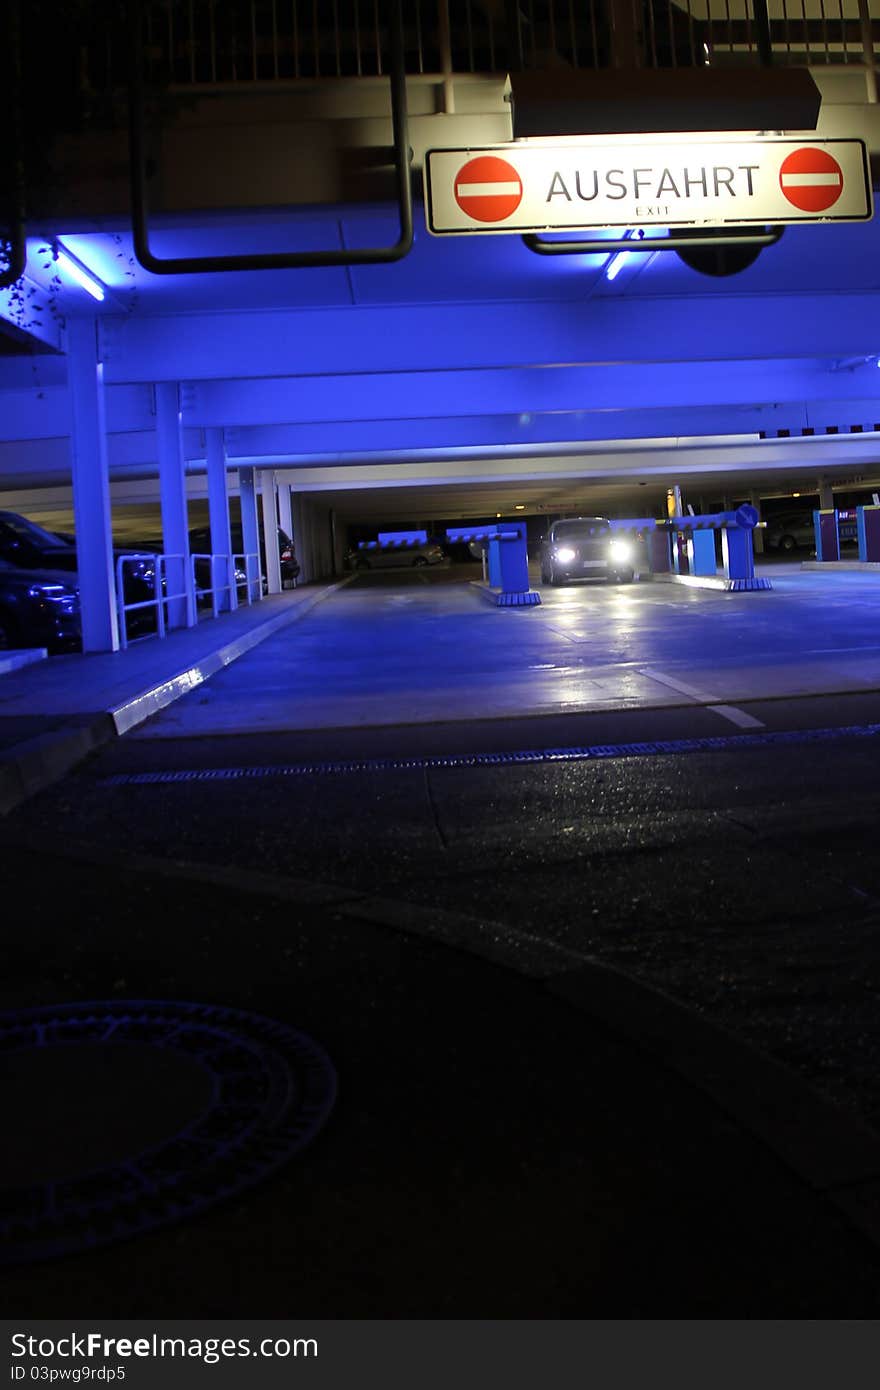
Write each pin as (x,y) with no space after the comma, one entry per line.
(585,547)
(788,531)
(25,544)
(38,608)
(200,544)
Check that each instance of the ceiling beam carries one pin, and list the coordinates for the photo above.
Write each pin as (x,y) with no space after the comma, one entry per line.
(443,337)
(671,458)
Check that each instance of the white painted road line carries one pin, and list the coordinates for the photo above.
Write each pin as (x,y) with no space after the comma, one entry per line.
(736,716)
(702,695)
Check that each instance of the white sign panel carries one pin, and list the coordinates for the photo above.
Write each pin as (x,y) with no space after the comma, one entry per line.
(538,187)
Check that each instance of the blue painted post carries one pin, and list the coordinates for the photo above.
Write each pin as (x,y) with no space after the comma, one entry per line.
(508,561)
(181,612)
(701,552)
(513,564)
(738,554)
(218,516)
(827,539)
(868,523)
(494,559)
(91,488)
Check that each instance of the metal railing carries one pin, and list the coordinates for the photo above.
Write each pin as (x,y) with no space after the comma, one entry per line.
(251,562)
(239,576)
(216,42)
(243,577)
(158,601)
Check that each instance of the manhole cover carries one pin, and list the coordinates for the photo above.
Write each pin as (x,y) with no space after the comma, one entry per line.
(122,1116)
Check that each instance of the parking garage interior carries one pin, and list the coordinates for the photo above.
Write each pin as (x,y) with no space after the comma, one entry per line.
(578,900)
(469,379)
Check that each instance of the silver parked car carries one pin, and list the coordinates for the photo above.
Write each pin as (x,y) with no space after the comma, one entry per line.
(585,547)
(394,555)
(790,531)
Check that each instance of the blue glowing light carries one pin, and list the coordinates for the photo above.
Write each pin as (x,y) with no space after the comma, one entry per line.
(77,272)
(403,538)
(615,265)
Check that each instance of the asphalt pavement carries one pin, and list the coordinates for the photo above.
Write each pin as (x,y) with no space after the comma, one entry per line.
(517,939)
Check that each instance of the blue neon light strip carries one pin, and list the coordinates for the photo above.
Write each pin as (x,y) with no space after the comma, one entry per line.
(615,265)
(77,272)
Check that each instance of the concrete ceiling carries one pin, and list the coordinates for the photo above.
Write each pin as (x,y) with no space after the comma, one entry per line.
(472,376)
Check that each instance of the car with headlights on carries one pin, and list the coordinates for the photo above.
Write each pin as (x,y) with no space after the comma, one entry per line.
(38,608)
(586,547)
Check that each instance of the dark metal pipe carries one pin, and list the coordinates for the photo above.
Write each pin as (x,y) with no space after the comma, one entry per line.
(762,26)
(671,243)
(283,260)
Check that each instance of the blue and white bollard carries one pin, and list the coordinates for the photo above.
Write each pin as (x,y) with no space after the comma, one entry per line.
(701,552)
(827,537)
(508,561)
(737,550)
(868,524)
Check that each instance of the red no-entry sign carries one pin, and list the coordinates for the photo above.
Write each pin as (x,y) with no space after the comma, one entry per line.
(664,181)
(488,189)
(811,179)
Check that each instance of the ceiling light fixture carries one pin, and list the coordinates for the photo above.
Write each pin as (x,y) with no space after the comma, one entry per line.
(67,262)
(615,264)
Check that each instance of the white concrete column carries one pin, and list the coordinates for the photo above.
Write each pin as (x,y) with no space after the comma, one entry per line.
(826,495)
(301,539)
(91,488)
(285,515)
(172,496)
(285,520)
(250,534)
(270,531)
(218,514)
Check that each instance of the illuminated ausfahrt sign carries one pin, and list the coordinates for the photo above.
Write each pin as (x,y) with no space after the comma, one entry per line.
(543,186)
